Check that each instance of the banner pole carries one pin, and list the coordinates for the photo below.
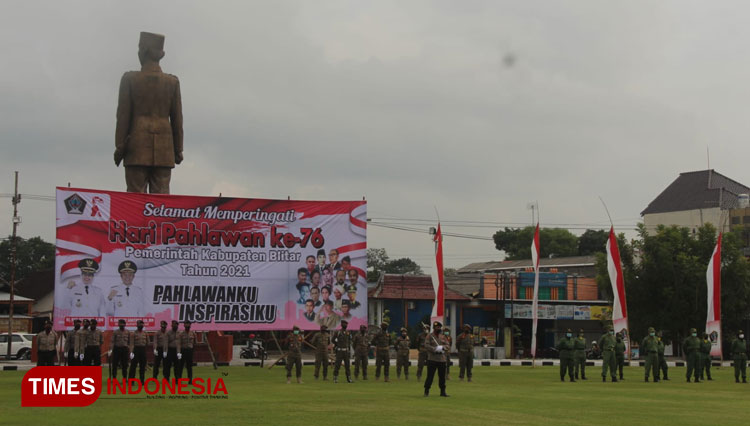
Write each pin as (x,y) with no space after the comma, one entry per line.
(210,351)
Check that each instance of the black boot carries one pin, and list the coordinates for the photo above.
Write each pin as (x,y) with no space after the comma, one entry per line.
(426,392)
(646,379)
(614,380)
(443,394)
(604,379)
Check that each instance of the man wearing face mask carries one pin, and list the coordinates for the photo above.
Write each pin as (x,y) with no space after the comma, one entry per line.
(174,352)
(607,344)
(421,339)
(436,345)
(322,343)
(620,354)
(739,356)
(294,355)
(80,342)
(342,341)
(94,340)
(566,346)
(187,343)
(650,349)
(120,349)
(663,367)
(579,355)
(448,337)
(705,365)
(465,346)
(361,346)
(138,344)
(160,348)
(402,354)
(45,345)
(691,346)
(71,348)
(382,342)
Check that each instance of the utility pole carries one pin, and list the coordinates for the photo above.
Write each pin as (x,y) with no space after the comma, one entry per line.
(16,221)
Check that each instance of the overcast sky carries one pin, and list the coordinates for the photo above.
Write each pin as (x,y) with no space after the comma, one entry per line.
(473,107)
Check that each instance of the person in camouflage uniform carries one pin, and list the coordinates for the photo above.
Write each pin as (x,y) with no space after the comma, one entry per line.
(607,344)
(342,342)
(650,350)
(579,355)
(465,347)
(705,365)
(663,367)
(382,342)
(691,346)
(361,346)
(322,342)
(739,356)
(402,354)
(422,359)
(565,348)
(620,354)
(294,355)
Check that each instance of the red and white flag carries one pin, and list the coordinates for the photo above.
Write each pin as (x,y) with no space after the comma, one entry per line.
(713,282)
(534,311)
(620,306)
(438,282)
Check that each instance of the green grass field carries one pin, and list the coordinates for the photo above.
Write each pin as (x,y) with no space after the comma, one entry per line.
(510,395)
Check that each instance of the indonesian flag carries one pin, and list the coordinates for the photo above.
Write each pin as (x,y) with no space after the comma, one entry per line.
(438,282)
(620,307)
(535,262)
(713,281)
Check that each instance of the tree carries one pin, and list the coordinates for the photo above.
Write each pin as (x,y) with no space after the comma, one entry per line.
(33,254)
(667,288)
(592,241)
(377,258)
(554,242)
(403,266)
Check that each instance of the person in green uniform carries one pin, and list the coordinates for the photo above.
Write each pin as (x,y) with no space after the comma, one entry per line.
(663,368)
(294,355)
(566,346)
(422,359)
(579,355)
(739,356)
(465,347)
(382,343)
(705,366)
(402,354)
(342,342)
(691,346)
(322,343)
(650,349)
(607,344)
(620,354)
(361,345)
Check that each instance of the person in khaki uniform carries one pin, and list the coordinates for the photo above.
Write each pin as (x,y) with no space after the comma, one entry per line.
(45,345)
(174,352)
(382,342)
(120,349)
(138,344)
(187,343)
(94,340)
(465,346)
(402,354)
(80,342)
(342,342)
(160,348)
(322,343)
(436,345)
(148,136)
(71,348)
(422,359)
(361,346)
(294,355)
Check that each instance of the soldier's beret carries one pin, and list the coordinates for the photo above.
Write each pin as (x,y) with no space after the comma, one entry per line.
(88,265)
(127,266)
(437,324)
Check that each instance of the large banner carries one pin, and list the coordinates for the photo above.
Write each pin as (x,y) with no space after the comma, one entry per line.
(222,263)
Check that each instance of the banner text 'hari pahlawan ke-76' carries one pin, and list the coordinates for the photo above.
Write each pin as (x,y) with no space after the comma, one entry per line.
(222,263)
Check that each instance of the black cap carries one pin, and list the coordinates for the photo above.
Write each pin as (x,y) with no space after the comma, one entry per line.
(344,322)
(121,321)
(127,266)
(88,265)
(437,324)
(346,303)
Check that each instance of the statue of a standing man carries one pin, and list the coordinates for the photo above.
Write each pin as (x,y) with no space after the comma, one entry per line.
(149,121)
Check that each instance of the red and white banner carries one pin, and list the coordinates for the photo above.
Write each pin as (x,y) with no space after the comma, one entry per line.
(534,304)
(223,263)
(619,307)
(438,280)
(713,282)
